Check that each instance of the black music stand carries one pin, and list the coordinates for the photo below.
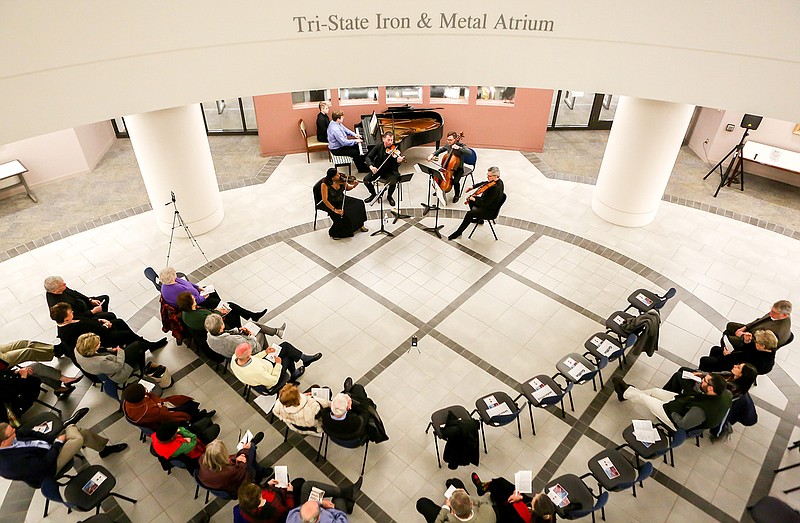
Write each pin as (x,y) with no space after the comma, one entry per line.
(432,174)
(382,230)
(403,179)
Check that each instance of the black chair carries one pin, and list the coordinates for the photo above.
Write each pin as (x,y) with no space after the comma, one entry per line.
(569,374)
(628,475)
(601,344)
(579,494)
(264,391)
(222,494)
(354,443)
(82,492)
(615,322)
(490,219)
(482,408)
(438,420)
(199,342)
(317,192)
(557,396)
(669,441)
(643,300)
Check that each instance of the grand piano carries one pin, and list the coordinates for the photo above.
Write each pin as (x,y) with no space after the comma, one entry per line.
(411,127)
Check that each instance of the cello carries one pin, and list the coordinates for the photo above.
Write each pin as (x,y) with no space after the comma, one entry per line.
(450,163)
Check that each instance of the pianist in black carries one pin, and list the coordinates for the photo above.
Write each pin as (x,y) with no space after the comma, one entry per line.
(483,202)
(453,146)
(323,121)
(348,214)
(383,161)
(344,142)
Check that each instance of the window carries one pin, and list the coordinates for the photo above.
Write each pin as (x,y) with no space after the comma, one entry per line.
(403,93)
(353,95)
(496,94)
(450,93)
(310,98)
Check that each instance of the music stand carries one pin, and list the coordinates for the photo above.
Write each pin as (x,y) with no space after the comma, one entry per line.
(439,197)
(379,196)
(403,179)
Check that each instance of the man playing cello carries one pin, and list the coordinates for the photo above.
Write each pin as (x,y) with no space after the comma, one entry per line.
(455,147)
(483,201)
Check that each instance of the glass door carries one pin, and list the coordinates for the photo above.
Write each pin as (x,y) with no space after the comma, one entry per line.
(581,110)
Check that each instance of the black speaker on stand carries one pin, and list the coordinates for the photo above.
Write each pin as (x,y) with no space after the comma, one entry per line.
(736,167)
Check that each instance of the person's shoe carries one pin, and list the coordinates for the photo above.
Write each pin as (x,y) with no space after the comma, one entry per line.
(364,229)
(257,316)
(257,438)
(308,360)
(480,486)
(113,449)
(155,345)
(456,197)
(619,387)
(453,236)
(208,414)
(73,381)
(480,222)
(66,390)
(299,372)
(349,494)
(335,238)
(348,384)
(370,198)
(391,201)
(76,416)
(280,330)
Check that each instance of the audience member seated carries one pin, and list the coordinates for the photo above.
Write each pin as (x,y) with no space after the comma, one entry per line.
(49,376)
(172,286)
(171,441)
(115,362)
(352,415)
(738,381)
(258,371)
(145,409)
(19,388)
(511,506)
(325,511)
(776,320)
(84,306)
(299,411)
(692,410)
(29,458)
(14,352)
(269,504)
(221,470)
(112,332)
(225,342)
(758,349)
(459,507)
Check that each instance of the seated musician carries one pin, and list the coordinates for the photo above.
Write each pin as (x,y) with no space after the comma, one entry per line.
(458,148)
(348,214)
(383,161)
(344,142)
(323,121)
(483,202)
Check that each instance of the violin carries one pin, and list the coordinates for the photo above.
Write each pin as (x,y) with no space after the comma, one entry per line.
(480,190)
(393,151)
(450,164)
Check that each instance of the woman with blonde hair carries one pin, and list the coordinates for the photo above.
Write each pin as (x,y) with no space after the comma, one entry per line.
(299,410)
(115,362)
(221,470)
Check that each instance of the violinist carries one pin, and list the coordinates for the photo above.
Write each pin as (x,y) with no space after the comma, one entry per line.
(460,150)
(383,161)
(483,201)
(348,214)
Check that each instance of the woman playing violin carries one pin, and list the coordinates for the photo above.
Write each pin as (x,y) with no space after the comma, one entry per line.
(455,147)
(483,202)
(383,161)
(348,214)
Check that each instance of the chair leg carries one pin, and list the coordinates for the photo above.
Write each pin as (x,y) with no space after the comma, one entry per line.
(436,444)
(319,450)
(571,404)
(473,230)
(483,433)
(602,509)
(530,411)
(364,463)
(519,429)
(286,433)
(46,507)
(207,493)
(196,491)
(600,374)
(563,412)
(634,489)
(51,407)
(492,228)
(126,498)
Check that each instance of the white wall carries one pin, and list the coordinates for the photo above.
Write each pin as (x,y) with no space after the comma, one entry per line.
(67,64)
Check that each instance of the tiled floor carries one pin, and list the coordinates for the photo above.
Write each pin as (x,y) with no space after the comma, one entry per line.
(488,314)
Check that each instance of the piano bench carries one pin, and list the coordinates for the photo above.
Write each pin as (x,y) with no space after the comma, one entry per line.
(342,161)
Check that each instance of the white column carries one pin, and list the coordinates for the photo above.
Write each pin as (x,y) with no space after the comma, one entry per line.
(172,149)
(642,148)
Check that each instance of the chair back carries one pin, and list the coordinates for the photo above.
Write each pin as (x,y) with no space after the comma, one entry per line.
(471,158)
(222,494)
(496,210)
(631,340)
(237,515)
(108,386)
(52,492)
(663,301)
(602,499)
(644,471)
(789,340)
(678,437)
(317,191)
(302,125)
(151,275)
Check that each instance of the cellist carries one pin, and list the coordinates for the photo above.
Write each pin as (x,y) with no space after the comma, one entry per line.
(455,147)
(483,201)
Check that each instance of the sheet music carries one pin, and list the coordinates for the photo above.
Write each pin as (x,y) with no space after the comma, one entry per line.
(523,481)
(282,475)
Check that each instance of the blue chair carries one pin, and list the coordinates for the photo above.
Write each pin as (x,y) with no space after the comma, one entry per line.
(615,321)
(579,494)
(470,161)
(482,409)
(669,441)
(618,349)
(237,515)
(715,431)
(222,494)
(75,497)
(527,391)
(627,475)
(643,300)
(592,368)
